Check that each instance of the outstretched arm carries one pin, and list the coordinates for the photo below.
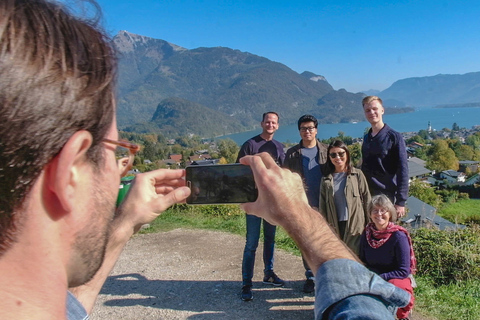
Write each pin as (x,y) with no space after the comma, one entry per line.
(282,201)
(345,287)
(150,194)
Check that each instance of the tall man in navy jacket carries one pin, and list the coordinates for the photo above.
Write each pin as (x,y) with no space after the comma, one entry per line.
(384,156)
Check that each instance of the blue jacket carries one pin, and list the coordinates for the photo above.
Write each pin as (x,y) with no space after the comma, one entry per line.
(385,164)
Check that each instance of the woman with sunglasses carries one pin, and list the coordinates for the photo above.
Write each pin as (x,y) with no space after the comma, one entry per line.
(387,250)
(344,196)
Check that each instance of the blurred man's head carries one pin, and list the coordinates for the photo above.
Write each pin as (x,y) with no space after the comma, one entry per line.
(56,79)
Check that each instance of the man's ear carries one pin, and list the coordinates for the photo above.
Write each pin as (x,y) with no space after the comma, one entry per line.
(65,173)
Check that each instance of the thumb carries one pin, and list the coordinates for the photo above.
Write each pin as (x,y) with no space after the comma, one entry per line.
(246,206)
(175,196)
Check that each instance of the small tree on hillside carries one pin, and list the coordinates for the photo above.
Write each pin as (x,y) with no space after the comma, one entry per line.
(441,157)
(424,192)
(228,149)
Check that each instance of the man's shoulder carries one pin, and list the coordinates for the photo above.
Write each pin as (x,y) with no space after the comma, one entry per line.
(294,149)
(278,143)
(252,141)
(256,138)
(391,132)
(322,146)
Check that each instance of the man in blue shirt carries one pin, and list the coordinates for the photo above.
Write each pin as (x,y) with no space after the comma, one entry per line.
(307,159)
(264,142)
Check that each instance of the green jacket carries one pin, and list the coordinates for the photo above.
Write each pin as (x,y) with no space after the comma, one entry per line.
(357,198)
(293,157)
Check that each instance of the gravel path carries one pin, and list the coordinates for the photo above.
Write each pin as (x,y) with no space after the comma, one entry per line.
(196,274)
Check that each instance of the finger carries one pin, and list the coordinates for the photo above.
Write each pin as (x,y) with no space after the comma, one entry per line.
(175,196)
(267,160)
(161,175)
(163,189)
(172,182)
(256,164)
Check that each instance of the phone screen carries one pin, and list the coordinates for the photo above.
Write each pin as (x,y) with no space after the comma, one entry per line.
(220,184)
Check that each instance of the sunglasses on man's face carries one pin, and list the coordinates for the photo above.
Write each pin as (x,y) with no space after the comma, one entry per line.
(333,155)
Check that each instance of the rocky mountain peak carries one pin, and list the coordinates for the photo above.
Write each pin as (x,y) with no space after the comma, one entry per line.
(127,42)
(314,77)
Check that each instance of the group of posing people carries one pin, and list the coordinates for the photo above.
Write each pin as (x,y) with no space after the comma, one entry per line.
(343,195)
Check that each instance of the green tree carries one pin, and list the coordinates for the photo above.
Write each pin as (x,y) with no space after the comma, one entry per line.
(455,127)
(464,152)
(441,157)
(454,144)
(228,149)
(424,192)
(416,138)
(176,149)
(421,153)
(149,150)
(473,141)
(424,134)
(222,160)
(355,153)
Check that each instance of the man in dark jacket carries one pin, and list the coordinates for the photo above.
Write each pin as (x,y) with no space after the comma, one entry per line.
(384,157)
(307,159)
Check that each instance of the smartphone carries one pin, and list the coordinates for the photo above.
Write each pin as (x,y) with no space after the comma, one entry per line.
(220,184)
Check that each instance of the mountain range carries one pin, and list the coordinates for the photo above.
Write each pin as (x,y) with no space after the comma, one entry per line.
(163,87)
(442,89)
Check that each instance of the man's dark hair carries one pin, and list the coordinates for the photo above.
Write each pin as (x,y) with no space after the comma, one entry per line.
(57,77)
(307,118)
(270,112)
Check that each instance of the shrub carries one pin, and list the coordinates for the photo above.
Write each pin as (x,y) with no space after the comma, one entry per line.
(448,256)
(220,210)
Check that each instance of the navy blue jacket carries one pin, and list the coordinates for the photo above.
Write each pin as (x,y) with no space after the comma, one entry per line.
(385,164)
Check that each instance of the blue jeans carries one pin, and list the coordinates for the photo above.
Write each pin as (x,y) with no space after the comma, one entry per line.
(253,236)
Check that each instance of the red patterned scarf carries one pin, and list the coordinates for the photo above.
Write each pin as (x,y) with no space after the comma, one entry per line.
(376,238)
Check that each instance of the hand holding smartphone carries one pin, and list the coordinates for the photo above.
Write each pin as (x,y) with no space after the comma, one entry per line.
(220,184)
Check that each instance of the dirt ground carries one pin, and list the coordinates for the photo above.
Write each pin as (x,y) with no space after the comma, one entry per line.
(196,274)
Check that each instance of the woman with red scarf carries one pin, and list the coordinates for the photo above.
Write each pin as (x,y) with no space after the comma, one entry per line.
(387,250)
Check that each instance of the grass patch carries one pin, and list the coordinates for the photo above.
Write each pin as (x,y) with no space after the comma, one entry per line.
(463,211)
(454,301)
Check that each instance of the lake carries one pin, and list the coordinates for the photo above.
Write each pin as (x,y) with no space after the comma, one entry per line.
(405,122)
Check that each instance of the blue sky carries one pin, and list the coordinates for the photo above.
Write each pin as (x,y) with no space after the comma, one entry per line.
(356,45)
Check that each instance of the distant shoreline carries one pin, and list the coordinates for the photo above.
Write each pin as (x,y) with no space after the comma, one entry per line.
(460,105)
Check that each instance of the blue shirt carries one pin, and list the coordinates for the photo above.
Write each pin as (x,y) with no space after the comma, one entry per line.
(312,175)
(257,145)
